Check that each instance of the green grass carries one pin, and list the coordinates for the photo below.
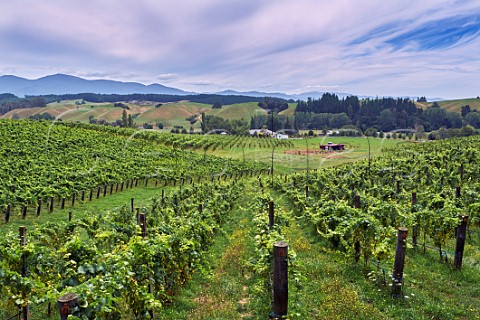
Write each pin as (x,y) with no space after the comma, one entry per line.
(323,283)
(288,159)
(456,105)
(110,202)
(290,111)
(453,105)
(239,111)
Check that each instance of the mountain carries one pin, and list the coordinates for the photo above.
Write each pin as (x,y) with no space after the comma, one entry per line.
(255,94)
(301,96)
(67,84)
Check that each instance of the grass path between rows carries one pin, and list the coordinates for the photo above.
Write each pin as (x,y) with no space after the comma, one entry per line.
(228,288)
(323,283)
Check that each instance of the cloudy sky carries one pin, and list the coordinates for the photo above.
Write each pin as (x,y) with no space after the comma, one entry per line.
(364,47)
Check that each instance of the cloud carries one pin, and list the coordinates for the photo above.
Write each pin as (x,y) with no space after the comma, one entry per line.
(397,47)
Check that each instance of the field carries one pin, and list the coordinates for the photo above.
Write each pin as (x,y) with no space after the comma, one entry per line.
(196,241)
(171,114)
(293,157)
(453,105)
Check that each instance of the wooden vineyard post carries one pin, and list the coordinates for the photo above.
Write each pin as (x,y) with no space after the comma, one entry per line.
(306,191)
(415,227)
(83,195)
(136,183)
(146,182)
(271,214)
(23,242)
(397,277)
(7,213)
(356,246)
(39,207)
(24,212)
(121,186)
(461,234)
(105,187)
(98,192)
(132,200)
(73,199)
(111,188)
(142,221)
(52,199)
(66,303)
(200,208)
(116,188)
(458,192)
(69,216)
(63,204)
(280,280)
(91,195)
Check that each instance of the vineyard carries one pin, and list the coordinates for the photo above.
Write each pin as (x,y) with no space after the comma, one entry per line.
(60,160)
(200,241)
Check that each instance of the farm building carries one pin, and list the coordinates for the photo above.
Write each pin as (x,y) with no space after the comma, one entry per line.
(262,132)
(332,147)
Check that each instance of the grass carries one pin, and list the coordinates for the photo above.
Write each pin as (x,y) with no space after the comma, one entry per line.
(110,202)
(453,105)
(239,111)
(323,283)
(287,159)
(290,111)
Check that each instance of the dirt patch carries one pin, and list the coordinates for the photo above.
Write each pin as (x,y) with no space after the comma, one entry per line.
(320,153)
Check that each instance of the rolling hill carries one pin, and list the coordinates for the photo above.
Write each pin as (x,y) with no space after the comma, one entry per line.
(170,114)
(453,105)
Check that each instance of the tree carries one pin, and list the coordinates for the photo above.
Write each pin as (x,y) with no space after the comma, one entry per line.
(203,122)
(130,121)
(339,120)
(434,117)
(217,105)
(422,99)
(386,120)
(420,132)
(453,120)
(473,119)
(124,119)
(466,110)
(371,132)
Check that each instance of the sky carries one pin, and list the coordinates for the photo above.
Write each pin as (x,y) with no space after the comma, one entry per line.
(364,47)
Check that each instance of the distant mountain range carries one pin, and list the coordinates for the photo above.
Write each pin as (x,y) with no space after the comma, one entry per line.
(67,84)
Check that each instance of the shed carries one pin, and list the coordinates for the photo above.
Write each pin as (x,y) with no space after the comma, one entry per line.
(332,146)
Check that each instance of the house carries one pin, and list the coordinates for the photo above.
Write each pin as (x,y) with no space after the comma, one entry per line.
(262,133)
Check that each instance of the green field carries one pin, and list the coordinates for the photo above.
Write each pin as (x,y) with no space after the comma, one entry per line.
(453,105)
(290,159)
(171,114)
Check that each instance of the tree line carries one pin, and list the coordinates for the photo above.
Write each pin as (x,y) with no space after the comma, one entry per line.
(160,98)
(384,114)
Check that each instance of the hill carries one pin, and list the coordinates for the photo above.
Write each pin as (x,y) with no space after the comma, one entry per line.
(453,105)
(170,114)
